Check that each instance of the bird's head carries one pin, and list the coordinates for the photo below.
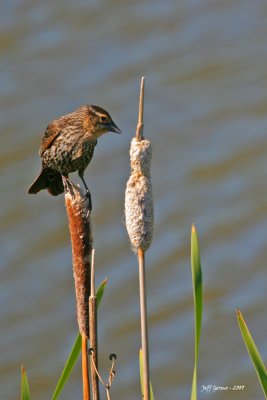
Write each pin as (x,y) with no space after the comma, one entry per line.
(100,121)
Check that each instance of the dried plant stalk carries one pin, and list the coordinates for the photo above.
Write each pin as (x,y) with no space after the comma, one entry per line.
(140,123)
(85,369)
(144,324)
(93,334)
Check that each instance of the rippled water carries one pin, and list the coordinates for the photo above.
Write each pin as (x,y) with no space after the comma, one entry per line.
(205,64)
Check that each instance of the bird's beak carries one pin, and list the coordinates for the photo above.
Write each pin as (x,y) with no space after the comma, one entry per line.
(113,128)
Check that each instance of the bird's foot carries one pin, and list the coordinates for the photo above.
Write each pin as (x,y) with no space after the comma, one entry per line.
(68,185)
(89,197)
(88,194)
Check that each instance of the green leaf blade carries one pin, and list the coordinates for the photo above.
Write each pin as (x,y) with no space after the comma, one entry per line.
(253,352)
(25,391)
(71,361)
(141,365)
(76,349)
(100,292)
(198,301)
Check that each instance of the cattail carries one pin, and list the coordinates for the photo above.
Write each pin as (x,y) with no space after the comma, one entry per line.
(139,216)
(78,209)
(139,211)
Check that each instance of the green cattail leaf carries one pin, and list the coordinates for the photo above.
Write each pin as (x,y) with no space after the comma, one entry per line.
(198,300)
(100,291)
(74,354)
(75,351)
(141,377)
(25,391)
(253,352)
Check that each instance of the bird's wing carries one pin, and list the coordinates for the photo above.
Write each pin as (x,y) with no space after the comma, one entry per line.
(51,134)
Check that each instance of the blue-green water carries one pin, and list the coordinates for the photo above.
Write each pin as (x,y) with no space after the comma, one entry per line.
(205,64)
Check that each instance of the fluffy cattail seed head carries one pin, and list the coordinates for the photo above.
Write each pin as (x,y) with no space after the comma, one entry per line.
(139,211)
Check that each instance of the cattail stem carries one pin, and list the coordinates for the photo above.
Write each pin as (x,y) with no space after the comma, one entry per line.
(140,124)
(144,325)
(78,211)
(141,262)
(93,333)
(85,370)
(139,221)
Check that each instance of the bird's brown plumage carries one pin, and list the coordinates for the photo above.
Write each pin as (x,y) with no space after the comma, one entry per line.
(68,145)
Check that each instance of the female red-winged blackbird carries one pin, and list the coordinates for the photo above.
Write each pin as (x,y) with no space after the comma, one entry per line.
(68,145)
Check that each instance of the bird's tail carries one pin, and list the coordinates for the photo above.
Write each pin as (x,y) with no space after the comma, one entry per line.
(49,179)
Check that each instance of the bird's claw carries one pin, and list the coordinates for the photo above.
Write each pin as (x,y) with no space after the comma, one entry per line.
(68,185)
(89,197)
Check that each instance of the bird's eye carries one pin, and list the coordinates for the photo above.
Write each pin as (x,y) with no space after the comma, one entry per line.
(103,119)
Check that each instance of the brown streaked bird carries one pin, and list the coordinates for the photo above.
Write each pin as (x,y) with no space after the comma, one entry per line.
(68,145)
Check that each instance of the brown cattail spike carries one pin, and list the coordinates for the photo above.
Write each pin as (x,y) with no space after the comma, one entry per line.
(78,209)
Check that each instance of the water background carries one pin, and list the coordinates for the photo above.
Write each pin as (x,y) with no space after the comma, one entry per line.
(205,64)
